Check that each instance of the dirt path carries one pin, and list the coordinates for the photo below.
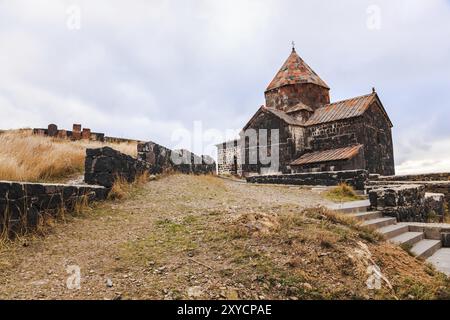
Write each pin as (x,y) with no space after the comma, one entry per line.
(156,244)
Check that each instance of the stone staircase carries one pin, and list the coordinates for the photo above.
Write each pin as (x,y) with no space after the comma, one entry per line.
(398,233)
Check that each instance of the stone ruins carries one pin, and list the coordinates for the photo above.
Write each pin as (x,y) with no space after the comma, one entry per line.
(23,204)
(77,133)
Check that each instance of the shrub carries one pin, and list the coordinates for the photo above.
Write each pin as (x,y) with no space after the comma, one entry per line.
(342,192)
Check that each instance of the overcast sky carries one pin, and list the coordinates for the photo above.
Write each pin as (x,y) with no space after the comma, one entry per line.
(147,69)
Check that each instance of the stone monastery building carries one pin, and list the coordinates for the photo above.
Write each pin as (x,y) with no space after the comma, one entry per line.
(314,134)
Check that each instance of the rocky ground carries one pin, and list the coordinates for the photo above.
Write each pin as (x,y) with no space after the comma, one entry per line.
(205,237)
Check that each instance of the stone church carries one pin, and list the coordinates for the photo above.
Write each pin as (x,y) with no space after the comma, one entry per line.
(314,134)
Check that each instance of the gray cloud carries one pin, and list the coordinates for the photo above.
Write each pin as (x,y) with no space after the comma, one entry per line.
(143,69)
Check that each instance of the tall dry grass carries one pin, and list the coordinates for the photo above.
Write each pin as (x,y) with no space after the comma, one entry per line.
(28,157)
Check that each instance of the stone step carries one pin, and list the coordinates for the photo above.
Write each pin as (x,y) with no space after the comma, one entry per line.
(426,248)
(392,231)
(380,222)
(408,238)
(351,207)
(441,260)
(364,216)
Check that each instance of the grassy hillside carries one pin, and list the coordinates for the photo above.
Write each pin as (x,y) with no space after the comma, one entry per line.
(27,157)
(201,237)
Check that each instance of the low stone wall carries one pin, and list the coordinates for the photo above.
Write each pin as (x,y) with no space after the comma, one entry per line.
(355,178)
(445,176)
(104,165)
(162,159)
(23,204)
(156,155)
(407,203)
(187,162)
(442,187)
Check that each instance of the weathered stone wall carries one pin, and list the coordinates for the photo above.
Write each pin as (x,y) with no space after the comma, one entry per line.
(288,96)
(355,178)
(335,135)
(378,144)
(372,130)
(156,155)
(104,165)
(407,203)
(444,176)
(229,158)
(431,186)
(162,159)
(286,147)
(187,162)
(23,204)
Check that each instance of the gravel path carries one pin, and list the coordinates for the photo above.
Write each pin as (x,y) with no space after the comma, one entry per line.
(96,243)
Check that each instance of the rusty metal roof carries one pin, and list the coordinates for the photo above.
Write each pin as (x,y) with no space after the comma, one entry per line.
(278,113)
(299,106)
(294,71)
(328,155)
(345,109)
(284,116)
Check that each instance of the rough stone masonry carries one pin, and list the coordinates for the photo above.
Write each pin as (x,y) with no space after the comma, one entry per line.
(22,204)
(104,165)
(407,203)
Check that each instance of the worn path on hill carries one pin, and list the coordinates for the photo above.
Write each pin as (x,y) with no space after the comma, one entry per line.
(151,245)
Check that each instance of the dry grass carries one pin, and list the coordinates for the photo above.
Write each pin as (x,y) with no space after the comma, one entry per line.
(122,189)
(446,213)
(343,192)
(27,157)
(46,220)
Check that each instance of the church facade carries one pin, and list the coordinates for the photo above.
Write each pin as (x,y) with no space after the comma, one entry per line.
(314,134)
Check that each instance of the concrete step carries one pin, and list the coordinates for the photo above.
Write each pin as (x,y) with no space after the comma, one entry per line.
(426,248)
(392,231)
(364,216)
(408,238)
(351,207)
(441,260)
(380,222)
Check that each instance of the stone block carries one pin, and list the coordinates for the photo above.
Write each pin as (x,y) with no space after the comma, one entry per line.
(86,134)
(445,237)
(16,191)
(52,130)
(93,152)
(52,189)
(76,127)
(104,164)
(4,189)
(34,189)
(51,201)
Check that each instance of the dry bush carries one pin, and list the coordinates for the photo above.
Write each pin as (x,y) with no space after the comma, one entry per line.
(446,213)
(342,192)
(334,217)
(28,157)
(122,189)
